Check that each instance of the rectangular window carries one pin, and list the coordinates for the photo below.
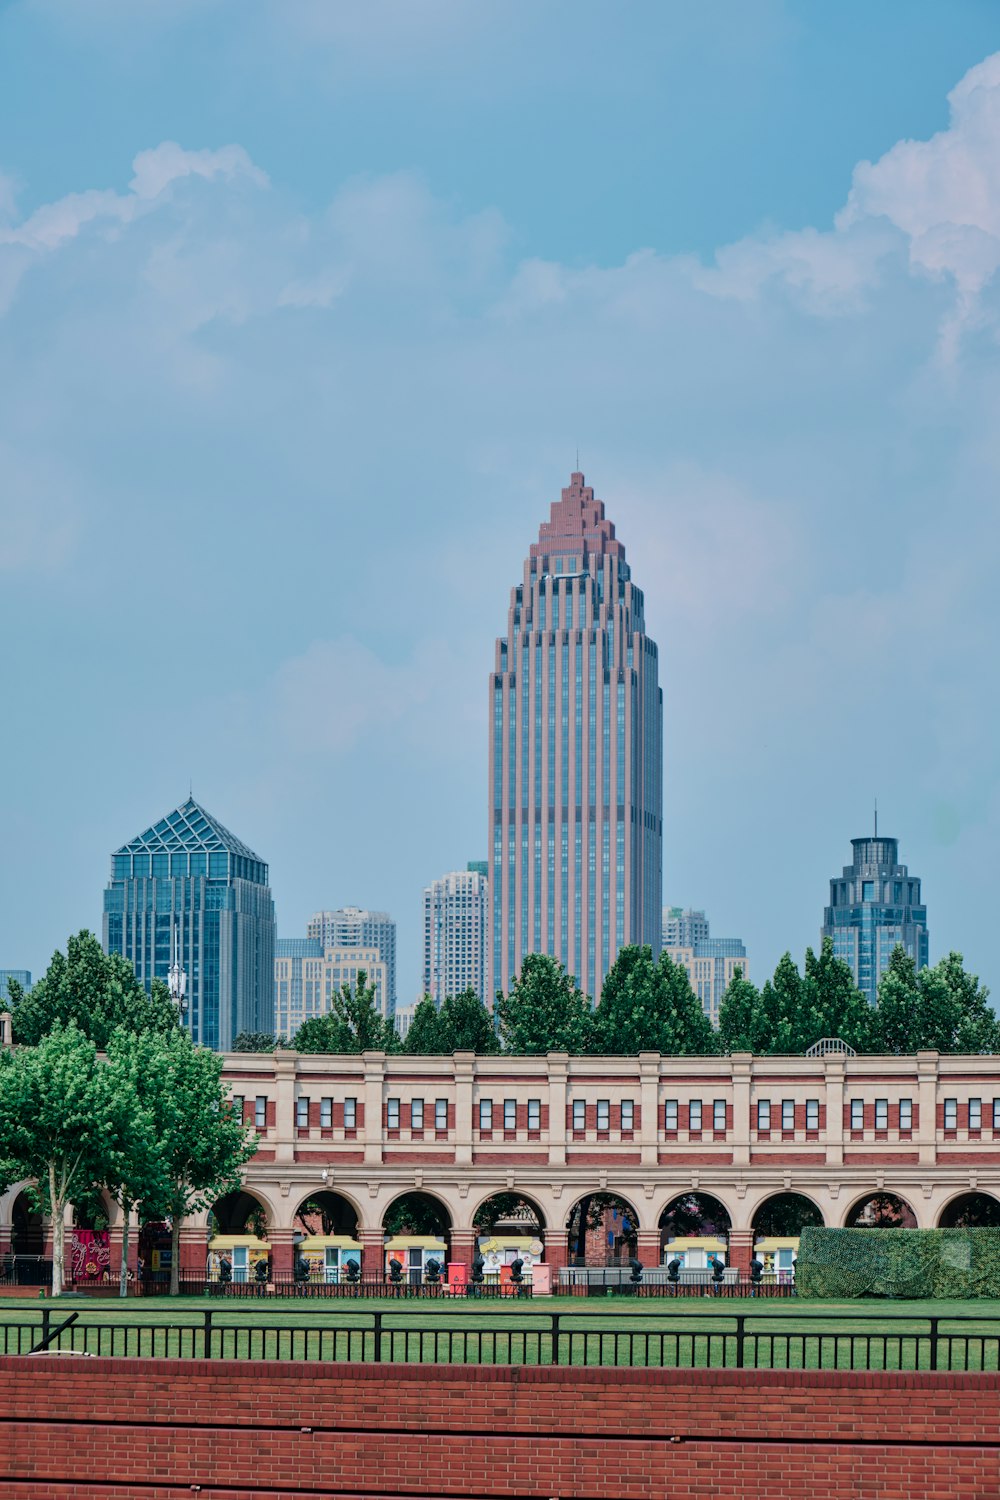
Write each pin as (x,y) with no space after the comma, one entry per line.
(604,1114)
(486,1114)
(440,1114)
(260,1112)
(534,1114)
(416,1114)
(510,1114)
(763,1114)
(788,1114)
(238,1106)
(857,1114)
(812,1114)
(628,1114)
(906,1114)
(996,1114)
(694,1114)
(301,1112)
(326,1113)
(719,1115)
(881,1114)
(951,1114)
(670,1114)
(975,1114)
(579,1114)
(392,1114)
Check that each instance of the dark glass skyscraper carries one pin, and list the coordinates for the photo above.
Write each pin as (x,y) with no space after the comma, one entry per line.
(874,905)
(576,756)
(187,891)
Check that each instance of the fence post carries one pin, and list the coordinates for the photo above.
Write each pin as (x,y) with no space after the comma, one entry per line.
(740,1336)
(208,1333)
(46,1319)
(377,1330)
(555,1339)
(934,1343)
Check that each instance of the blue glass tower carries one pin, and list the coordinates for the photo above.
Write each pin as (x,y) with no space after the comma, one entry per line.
(188,891)
(874,905)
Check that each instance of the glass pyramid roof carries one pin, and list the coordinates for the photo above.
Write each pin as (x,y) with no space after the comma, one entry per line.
(189,827)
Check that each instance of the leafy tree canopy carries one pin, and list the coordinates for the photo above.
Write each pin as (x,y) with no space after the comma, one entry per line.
(415,1213)
(352,1024)
(467,1026)
(257,1041)
(839,1009)
(649,1007)
(942,1008)
(96,991)
(544,1011)
(741,1019)
(424,1035)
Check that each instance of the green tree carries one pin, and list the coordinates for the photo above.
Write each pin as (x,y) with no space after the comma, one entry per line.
(649,1007)
(256,1041)
(467,1026)
(62,1124)
(352,1024)
(942,1008)
(838,1008)
(424,1034)
(691,1029)
(415,1213)
(97,991)
(545,1010)
(788,1013)
(202,1144)
(742,1026)
(137,1174)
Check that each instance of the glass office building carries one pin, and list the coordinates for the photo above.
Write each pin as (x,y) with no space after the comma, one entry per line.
(575,755)
(875,904)
(20,976)
(187,891)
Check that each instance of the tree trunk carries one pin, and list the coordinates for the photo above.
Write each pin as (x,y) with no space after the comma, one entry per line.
(581,1240)
(57,1209)
(123,1277)
(175,1254)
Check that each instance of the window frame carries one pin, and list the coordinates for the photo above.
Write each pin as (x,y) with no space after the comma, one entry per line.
(392,1113)
(440,1108)
(763,1115)
(485,1114)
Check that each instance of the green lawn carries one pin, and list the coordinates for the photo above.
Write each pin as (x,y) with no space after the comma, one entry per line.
(597,1331)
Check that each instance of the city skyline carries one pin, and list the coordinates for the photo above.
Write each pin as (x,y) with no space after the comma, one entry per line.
(288,389)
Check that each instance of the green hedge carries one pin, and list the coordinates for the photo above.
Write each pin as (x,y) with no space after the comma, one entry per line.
(840,1263)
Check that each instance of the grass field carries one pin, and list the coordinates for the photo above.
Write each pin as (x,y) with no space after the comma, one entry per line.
(605,1331)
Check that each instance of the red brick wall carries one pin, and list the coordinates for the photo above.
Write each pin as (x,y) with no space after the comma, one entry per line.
(121,1429)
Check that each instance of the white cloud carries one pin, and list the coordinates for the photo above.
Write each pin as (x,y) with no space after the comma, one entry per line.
(155,170)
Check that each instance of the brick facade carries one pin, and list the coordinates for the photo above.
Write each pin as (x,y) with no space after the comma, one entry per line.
(160,1429)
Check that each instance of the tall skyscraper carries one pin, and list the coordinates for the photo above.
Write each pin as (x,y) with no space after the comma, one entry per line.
(352,927)
(306,974)
(576,756)
(188,892)
(875,904)
(455,935)
(711,962)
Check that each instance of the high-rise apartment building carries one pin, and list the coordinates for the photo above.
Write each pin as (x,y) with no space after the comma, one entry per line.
(683,928)
(711,962)
(576,756)
(455,935)
(875,904)
(188,893)
(20,976)
(352,927)
(306,974)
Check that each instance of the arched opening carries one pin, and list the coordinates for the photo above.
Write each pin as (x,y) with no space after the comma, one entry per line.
(694,1227)
(509,1228)
(238,1247)
(602,1230)
(416,1229)
(971,1211)
(27,1243)
(327,1247)
(90,1242)
(777,1225)
(881,1211)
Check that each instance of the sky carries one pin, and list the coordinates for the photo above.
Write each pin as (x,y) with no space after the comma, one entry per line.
(305,311)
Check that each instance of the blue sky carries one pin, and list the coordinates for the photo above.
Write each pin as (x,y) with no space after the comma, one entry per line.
(304,310)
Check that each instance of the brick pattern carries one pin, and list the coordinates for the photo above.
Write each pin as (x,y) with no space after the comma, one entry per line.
(163,1429)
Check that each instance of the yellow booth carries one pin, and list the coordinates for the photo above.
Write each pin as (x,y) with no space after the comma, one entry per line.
(414,1251)
(327,1254)
(244,1251)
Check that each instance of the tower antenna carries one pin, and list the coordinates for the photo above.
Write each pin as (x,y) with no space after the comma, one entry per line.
(876,817)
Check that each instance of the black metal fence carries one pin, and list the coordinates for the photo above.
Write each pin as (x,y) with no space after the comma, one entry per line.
(366,1287)
(738,1341)
(613,1283)
(25,1270)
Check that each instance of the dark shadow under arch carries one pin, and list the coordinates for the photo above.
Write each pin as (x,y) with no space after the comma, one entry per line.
(881,1211)
(602,1230)
(971,1211)
(785,1215)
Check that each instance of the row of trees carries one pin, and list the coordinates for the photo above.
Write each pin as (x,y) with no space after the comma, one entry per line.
(107,1092)
(648,1005)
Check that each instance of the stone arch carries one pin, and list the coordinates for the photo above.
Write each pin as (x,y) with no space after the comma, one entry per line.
(787,1218)
(880,1210)
(527,1199)
(335,1213)
(414,1225)
(27,1226)
(694,1225)
(602,1228)
(425,1203)
(242,1211)
(971,1209)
